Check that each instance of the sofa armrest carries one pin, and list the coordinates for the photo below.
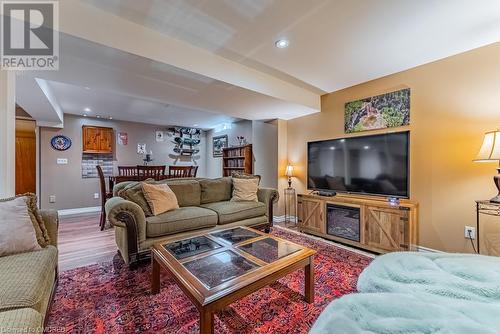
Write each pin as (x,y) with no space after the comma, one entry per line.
(121,213)
(268,196)
(51,220)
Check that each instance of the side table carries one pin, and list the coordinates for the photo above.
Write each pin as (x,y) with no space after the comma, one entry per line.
(290,207)
(485,207)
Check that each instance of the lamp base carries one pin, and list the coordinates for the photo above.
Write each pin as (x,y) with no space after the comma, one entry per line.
(496,199)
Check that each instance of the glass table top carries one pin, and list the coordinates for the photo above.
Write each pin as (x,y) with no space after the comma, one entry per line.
(190,247)
(269,249)
(215,269)
(236,235)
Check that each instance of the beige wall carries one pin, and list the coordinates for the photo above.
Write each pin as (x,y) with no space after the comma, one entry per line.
(453,102)
(66,182)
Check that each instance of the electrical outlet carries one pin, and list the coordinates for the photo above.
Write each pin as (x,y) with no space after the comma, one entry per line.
(52,198)
(470,232)
(96,195)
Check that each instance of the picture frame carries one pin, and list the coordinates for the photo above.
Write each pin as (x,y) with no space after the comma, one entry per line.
(159,136)
(378,112)
(218,144)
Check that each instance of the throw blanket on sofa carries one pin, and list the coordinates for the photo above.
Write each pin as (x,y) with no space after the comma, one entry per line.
(393,313)
(420,293)
(458,276)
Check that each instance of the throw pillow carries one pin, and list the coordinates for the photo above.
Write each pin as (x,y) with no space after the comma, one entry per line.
(245,190)
(133,192)
(41,232)
(160,198)
(17,233)
(215,190)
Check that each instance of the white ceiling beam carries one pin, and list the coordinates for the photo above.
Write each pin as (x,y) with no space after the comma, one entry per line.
(90,23)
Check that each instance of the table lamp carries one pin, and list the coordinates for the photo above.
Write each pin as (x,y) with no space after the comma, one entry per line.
(490,151)
(289,173)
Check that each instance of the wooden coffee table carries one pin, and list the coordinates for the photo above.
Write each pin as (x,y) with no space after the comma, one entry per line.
(215,269)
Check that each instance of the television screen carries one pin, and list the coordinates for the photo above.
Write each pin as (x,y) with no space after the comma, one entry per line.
(376,164)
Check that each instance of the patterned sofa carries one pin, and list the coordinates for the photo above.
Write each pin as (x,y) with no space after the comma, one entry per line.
(27,284)
(204,205)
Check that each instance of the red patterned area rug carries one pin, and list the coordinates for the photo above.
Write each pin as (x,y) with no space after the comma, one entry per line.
(110,298)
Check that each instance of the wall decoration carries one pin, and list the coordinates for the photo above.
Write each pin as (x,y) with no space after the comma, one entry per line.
(186,140)
(378,112)
(122,138)
(141,148)
(219,143)
(160,136)
(60,143)
(91,160)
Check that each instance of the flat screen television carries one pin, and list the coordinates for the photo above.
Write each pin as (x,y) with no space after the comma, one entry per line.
(375,165)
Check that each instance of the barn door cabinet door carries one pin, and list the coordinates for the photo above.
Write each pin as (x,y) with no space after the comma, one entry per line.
(387,228)
(97,139)
(311,215)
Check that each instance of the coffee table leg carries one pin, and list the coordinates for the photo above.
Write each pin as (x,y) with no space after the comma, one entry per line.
(155,275)
(309,281)
(206,322)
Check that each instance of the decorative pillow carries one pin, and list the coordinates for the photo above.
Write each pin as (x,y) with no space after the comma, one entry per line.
(215,190)
(42,235)
(160,198)
(245,190)
(17,232)
(241,175)
(133,192)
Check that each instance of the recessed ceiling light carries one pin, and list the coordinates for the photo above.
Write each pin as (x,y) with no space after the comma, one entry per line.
(195,124)
(87,109)
(110,117)
(84,115)
(366,147)
(98,116)
(282,43)
(342,140)
(332,148)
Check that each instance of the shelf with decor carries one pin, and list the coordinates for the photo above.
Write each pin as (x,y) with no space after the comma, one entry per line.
(237,158)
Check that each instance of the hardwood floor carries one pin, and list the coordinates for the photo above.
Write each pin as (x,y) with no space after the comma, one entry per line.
(81,242)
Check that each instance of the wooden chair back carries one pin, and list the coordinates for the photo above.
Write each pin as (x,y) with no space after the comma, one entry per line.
(154,172)
(179,171)
(194,171)
(102,183)
(127,170)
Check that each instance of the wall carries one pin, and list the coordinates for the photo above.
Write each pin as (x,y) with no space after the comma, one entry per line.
(453,102)
(241,128)
(265,151)
(65,181)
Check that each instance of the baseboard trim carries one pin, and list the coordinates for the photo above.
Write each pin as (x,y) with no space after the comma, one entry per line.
(78,211)
(428,250)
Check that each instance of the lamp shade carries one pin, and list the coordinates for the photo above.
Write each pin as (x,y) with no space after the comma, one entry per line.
(490,150)
(289,171)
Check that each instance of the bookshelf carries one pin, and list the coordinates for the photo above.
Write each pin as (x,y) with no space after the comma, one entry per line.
(237,159)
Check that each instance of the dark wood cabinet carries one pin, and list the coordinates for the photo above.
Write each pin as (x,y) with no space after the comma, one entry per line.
(237,159)
(97,139)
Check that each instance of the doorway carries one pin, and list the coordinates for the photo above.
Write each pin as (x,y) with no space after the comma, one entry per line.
(25,156)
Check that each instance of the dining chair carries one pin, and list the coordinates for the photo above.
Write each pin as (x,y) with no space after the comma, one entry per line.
(194,171)
(179,171)
(105,195)
(127,170)
(146,172)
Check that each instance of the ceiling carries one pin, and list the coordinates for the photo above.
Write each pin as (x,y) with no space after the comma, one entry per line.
(205,61)
(334,44)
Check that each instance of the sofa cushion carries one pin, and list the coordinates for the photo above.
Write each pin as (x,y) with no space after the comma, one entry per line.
(180,220)
(229,212)
(216,190)
(188,192)
(25,277)
(24,320)
(133,192)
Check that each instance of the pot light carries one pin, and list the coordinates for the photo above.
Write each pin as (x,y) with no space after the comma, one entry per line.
(87,109)
(110,117)
(84,115)
(195,124)
(98,116)
(282,43)
(366,147)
